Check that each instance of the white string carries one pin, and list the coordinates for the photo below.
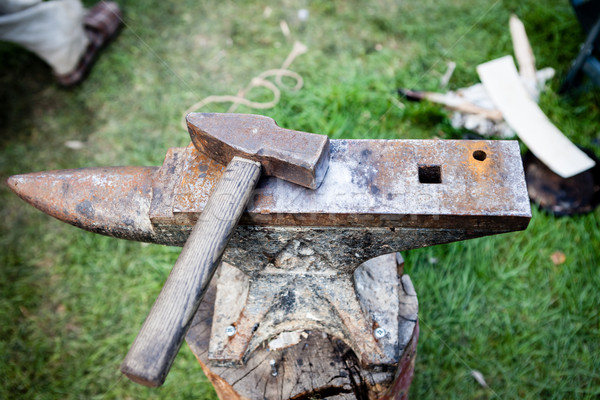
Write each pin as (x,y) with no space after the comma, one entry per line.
(258,81)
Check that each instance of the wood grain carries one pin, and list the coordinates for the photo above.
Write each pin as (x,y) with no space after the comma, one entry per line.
(161,335)
(320,365)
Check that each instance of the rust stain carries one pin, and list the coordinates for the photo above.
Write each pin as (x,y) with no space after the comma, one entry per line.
(480,160)
(199,177)
(112,201)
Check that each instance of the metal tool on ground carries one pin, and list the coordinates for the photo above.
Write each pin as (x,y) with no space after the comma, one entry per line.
(300,254)
(245,143)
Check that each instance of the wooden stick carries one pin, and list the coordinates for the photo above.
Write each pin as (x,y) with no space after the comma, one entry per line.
(452,102)
(153,351)
(523,51)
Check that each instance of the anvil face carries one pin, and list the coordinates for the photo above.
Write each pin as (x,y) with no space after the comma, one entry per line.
(393,183)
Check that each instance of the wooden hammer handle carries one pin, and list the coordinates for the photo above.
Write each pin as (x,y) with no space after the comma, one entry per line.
(153,351)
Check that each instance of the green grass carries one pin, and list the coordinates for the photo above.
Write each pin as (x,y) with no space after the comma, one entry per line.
(71,301)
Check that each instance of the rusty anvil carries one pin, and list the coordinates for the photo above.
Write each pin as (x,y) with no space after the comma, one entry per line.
(298,247)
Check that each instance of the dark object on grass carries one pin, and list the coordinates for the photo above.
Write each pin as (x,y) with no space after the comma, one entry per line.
(588,14)
(102,24)
(411,95)
(579,194)
(61,33)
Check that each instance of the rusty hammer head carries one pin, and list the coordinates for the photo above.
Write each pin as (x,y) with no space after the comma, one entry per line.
(294,156)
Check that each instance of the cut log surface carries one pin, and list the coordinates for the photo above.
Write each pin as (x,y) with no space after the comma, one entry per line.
(319,366)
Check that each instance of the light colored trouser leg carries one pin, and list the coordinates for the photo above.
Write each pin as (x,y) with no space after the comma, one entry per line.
(53,30)
(12,6)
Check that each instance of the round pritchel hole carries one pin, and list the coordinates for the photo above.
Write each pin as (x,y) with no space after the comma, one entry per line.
(479,155)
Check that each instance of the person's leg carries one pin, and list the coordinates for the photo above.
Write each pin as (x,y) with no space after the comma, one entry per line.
(13,6)
(52,30)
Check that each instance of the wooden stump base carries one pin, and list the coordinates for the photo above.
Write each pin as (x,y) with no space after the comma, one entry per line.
(316,366)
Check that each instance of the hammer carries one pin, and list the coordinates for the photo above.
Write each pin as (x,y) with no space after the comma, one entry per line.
(247,144)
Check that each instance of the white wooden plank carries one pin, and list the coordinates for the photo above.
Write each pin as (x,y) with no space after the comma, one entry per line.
(506,90)
(522,48)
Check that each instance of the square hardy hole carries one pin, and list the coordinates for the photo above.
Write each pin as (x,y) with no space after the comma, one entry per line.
(430,173)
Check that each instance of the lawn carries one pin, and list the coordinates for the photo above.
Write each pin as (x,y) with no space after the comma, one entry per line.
(71,302)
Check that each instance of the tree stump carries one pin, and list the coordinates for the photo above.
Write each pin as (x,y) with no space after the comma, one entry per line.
(312,364)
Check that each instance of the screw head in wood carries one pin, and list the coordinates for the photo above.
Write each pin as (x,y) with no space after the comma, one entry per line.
(230,330)
(380,333)
(273,365)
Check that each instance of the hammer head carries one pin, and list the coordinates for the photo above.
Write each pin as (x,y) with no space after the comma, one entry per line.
(294,156)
